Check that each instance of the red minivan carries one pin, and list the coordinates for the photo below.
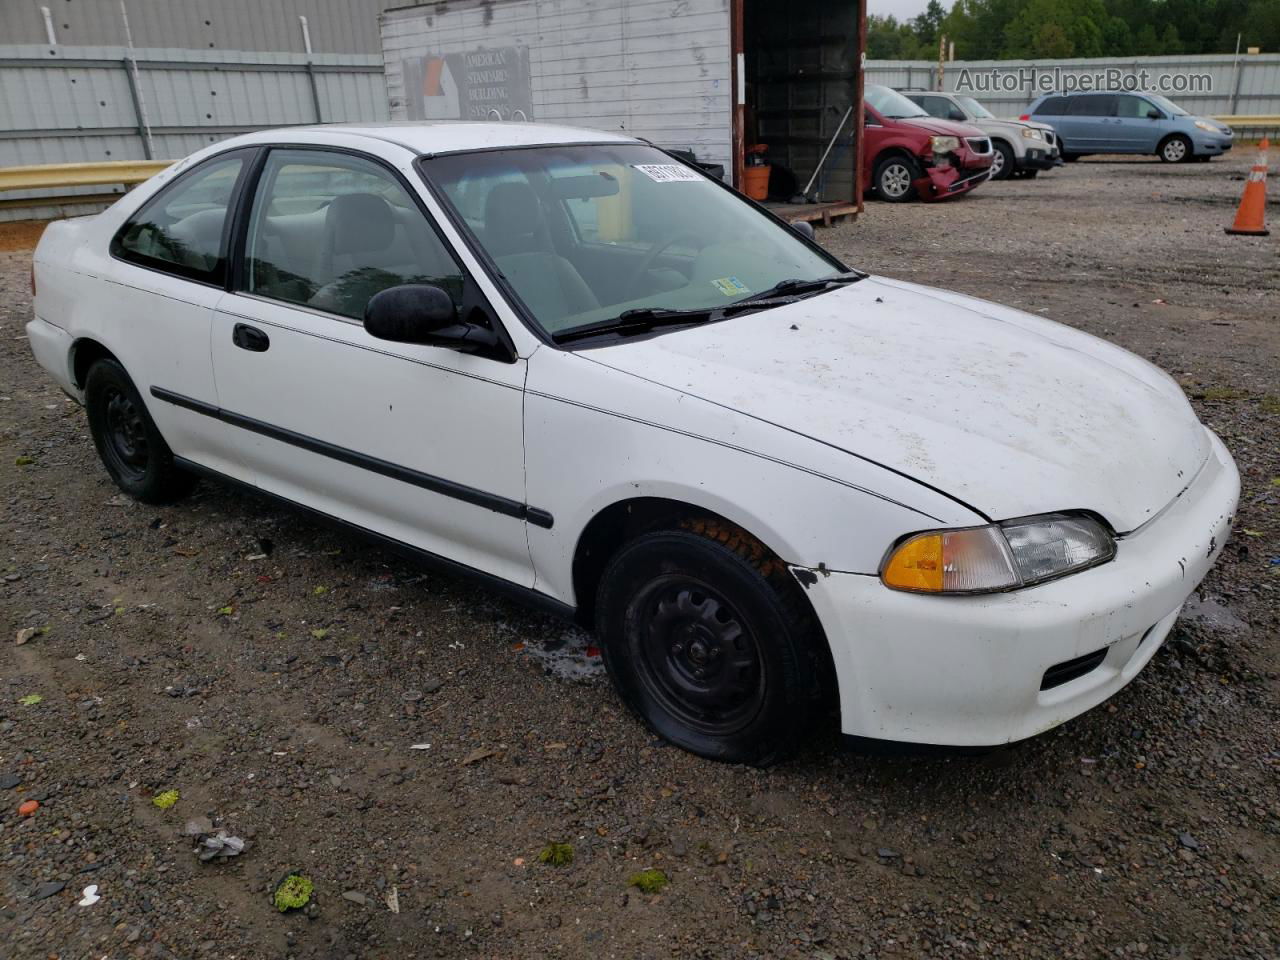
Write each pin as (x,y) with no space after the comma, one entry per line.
(910,154)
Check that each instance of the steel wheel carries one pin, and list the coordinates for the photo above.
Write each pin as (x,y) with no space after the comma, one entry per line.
(697,659)
(127,444)
(997,165)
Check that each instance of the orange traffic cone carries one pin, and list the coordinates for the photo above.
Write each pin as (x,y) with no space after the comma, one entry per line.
(1253,205)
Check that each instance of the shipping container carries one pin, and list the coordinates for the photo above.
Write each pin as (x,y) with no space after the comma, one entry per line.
(734,82)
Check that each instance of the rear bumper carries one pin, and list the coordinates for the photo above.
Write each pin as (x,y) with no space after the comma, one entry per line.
(52,348)
(987,670)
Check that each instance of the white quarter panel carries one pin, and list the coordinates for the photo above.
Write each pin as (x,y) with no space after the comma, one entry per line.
(596,436)
(433,411)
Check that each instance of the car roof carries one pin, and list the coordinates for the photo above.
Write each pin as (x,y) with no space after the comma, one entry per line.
(443,136)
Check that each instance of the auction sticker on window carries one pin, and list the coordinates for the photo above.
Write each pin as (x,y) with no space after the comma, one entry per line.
(730,286)
(667,172)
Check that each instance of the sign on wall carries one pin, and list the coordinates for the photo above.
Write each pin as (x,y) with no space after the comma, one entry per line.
(485,84)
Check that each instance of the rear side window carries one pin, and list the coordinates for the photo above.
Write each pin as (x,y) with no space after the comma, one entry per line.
(1051,107)
(329,230)
(182,230)
(1093,105)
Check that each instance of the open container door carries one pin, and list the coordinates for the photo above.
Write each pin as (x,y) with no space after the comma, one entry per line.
(798,105)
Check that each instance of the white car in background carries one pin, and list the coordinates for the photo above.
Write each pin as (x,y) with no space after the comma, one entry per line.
(566,363)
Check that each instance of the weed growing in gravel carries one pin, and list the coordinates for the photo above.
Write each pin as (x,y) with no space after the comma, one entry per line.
(557,854)
(294,892)
(165,800)
(648,881)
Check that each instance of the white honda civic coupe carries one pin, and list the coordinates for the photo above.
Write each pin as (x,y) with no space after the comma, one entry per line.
(571,365)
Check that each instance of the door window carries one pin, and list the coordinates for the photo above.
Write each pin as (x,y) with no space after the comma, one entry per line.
(1132,107)
(939,107)
(328,231)
(182,229)
(1093,105)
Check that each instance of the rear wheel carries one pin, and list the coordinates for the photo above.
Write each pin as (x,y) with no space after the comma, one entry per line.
(895,179)
(128,441)
(1002,162)
(705,636)
(1177,149)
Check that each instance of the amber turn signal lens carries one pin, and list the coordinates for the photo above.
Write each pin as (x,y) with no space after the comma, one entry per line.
(916,565)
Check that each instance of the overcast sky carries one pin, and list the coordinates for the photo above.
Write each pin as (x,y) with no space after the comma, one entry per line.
(902,9)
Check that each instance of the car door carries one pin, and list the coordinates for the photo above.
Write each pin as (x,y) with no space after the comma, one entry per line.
(418,443)
(169,268)
(1090,123)
(1136,130)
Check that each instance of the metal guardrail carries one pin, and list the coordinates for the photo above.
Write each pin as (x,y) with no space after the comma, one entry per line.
(49,175)
(1247,120)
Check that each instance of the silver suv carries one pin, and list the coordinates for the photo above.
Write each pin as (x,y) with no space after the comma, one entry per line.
(1022,148)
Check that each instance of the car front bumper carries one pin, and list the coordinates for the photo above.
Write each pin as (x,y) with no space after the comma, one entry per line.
(941,182)
(1210,144)
(989,669)
(1037,158)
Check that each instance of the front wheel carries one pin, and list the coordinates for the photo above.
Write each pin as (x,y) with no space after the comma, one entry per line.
(1002,162)
(895,179)
(1176,149)
(128,441)
(705,636)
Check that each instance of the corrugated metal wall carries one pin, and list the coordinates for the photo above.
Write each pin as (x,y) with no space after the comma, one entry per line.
(337,26)
(657,69)
(75,104)
(1253,89)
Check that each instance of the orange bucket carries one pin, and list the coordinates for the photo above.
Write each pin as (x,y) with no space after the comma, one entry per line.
(755,182)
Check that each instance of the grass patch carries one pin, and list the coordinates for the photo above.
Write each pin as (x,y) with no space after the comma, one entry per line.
(1270,405)
(557,854)
(294,892)
(649,881)
(165,800)
(1221,393)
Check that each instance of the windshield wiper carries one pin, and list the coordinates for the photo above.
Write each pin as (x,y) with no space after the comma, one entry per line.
(796,288)
(641,320)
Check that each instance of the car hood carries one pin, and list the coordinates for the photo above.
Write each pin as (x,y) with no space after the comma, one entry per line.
(945,128)
(1009,413)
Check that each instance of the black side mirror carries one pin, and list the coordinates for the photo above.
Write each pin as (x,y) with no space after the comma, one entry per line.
(956,114)
(1154,114)
(423,313)
(804,228)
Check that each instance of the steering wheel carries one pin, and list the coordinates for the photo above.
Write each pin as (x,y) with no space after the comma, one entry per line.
(657,250)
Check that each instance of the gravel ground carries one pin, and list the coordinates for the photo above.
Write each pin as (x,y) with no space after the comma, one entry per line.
(278,676)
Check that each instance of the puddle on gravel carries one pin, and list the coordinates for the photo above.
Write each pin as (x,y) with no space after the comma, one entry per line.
(572,655)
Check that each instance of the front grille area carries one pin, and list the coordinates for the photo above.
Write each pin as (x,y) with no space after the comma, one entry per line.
(978,144)
(1069,670)
(1048,137)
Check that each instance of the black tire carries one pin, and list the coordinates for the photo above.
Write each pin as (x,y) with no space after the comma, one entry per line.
(1176,149)
(891,174)
(1067,157)
(1007,165)
(130,445)
(706,637)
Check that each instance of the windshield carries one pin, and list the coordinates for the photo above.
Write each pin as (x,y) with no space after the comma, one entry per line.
(974,108)
(891,104)
(1164,103)
(583,233)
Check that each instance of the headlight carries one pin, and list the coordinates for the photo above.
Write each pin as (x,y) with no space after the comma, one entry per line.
(1205,125)
(1031,133)
(944,144)
(1016,553)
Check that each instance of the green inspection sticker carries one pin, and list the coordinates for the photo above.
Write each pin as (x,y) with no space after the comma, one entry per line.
(730,286)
